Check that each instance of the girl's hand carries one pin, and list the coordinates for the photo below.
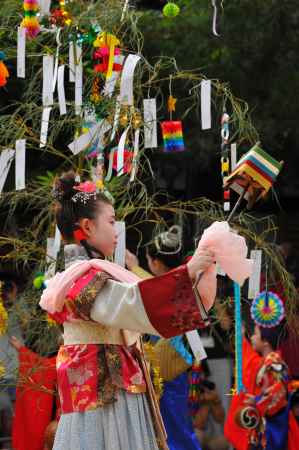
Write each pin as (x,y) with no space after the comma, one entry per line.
(200,261)
(131,260)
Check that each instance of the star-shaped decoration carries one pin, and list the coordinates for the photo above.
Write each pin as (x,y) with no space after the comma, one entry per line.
(171,103)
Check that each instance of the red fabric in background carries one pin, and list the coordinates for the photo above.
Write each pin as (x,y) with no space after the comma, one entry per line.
(293,435)
(34,404)
(236,435)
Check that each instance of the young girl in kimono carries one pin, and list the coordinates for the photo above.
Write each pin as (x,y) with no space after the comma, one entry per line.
(103,385)
(260,418)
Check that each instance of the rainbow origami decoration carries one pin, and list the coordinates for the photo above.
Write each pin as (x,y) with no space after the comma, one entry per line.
(255,172)
(172,132)
(267,309)
(30,21)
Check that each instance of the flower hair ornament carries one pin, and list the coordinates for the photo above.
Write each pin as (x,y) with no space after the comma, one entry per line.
(171,239)
(86,191)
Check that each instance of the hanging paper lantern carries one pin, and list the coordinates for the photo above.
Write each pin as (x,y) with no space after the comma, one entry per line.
(171,10)
(256,172)
(4,74)
(267,309)
(30,21)
(172,132)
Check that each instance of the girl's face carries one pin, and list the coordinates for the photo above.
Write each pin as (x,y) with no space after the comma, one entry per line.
(101,232)
(256,340)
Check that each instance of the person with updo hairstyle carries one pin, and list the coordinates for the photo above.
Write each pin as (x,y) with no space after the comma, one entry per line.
(105,392)
(164,253)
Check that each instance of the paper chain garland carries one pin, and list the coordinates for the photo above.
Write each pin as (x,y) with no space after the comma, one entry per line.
(267,309)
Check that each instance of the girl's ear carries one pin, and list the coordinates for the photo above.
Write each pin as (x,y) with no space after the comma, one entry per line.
(85,225)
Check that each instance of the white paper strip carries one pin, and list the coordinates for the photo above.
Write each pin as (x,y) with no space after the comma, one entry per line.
(48,72)
(104,127)
(115,121)
(205,104)
(78,81)
(21,53)
(6,158)
(150,123)
(96,131)
(55,73)
(51,258)
(111,82)
(233,156)
(255,279)
(20,164)
(196,345)
(135,155)
(110,167)
(72,67)
(120,251)
(45,126)
(84,140)
(127,79)
(44,7)
(61,91)
(57,241)
(120,152)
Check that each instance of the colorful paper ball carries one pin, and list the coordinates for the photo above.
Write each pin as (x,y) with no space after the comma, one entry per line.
(38,281)
(267,310)
(171,10)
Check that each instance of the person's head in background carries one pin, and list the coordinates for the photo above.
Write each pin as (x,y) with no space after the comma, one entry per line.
(9,289)
(267,340)
(164,252)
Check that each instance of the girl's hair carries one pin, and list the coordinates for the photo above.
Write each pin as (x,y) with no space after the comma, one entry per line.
(72,205)
(167,247)
(275,336)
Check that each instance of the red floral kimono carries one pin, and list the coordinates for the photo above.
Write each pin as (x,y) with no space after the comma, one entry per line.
(99,356)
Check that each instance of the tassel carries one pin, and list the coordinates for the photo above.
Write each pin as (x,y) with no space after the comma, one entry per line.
(4,74)
(30,21)
(196,377)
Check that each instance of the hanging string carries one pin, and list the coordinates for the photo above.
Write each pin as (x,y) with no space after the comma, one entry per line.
(125,8)
(239,387)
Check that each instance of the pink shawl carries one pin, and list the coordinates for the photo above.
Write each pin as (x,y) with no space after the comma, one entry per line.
(229,248)
(52,299)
